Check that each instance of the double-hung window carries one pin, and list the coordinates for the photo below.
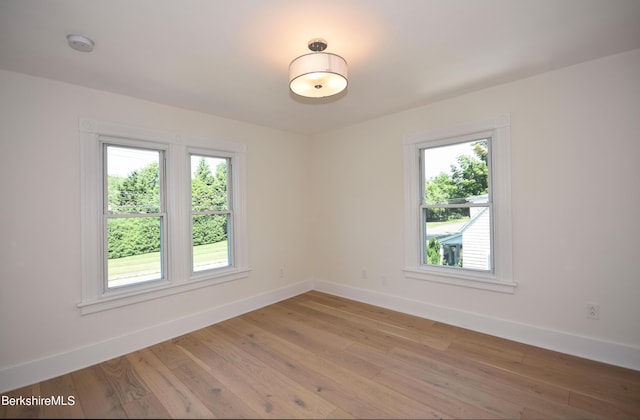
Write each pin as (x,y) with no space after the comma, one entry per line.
(458,205)
(134,213)
(161,213)
(456,209)
(211,212)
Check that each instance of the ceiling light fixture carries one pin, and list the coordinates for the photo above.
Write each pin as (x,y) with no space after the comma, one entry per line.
(80,42)
(318,74)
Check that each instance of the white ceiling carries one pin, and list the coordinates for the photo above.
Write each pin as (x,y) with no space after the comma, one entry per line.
(230,57)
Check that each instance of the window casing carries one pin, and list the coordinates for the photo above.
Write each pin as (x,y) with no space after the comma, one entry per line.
(431,252)
(165,211)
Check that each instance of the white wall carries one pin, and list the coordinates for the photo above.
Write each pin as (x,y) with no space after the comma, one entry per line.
(41,330)
(331,206)
(575,136)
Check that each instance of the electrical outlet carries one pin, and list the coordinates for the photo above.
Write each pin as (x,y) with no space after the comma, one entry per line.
(593,311)
(364,273)
(383,280)
(281,273)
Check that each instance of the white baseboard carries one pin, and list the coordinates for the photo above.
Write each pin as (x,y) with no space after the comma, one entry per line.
(590,348)
(59,364)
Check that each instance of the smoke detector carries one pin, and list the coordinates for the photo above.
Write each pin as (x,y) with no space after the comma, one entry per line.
(80,42)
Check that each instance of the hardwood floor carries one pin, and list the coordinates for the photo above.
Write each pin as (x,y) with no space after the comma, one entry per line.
(320,356)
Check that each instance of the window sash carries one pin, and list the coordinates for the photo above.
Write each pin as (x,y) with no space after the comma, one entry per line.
(424,240)
(423,205)
(229,179)
(229,239)
(112,284)
(109,285)
(226,211)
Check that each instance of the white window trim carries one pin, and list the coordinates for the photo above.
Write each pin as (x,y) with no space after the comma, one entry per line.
(180,279)
(501,279)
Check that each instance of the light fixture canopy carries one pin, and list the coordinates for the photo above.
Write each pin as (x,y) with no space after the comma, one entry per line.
(318,74)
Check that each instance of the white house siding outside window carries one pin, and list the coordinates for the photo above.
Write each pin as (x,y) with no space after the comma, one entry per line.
(458,205)
(160,214)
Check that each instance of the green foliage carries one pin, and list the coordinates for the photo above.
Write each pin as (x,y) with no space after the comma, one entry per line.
(114,185)
(433,251)
(208,229)
(133,236)
(439,190)
(209,192)
(203,173)
(471,177)
(139,193)
(468,178)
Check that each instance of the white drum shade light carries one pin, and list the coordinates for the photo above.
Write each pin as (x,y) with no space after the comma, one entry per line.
(318,74)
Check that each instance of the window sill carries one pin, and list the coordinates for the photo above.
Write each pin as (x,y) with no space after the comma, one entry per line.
(479,281)
(116,300)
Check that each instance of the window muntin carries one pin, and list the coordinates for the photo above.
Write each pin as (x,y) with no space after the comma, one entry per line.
(211,212)
(456,203)
(134,215)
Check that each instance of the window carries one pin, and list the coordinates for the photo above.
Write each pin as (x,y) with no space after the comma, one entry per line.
(158,216)
(134,215)
(210,212)
(457,205)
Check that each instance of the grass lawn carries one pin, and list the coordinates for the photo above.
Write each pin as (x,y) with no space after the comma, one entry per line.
(144,267)
(211,255)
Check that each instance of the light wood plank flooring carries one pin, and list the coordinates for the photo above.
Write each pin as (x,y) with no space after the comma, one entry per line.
(320,356)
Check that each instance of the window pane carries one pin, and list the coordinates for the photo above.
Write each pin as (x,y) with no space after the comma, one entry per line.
(210,241)
(458,237)
(133,180)
(456,173)
(209,183)
(134,250)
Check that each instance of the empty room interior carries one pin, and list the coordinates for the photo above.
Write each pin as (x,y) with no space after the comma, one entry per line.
(337,209)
